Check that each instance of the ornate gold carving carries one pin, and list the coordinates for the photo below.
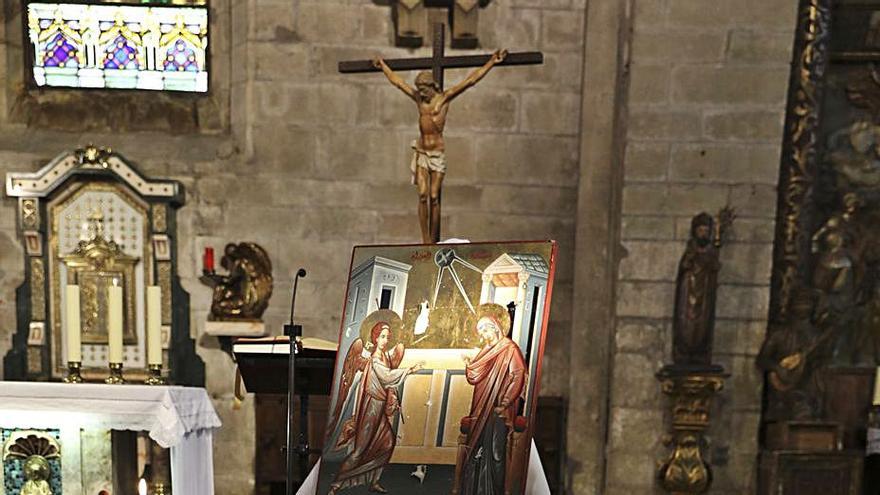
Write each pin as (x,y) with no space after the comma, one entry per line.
(55,211)
(164,282)
(692,398)
(38,290)
(244,293)
(30,213)
(799,156)
(95,265)
(23,444)
(684,471)
(35,448)
(116,377)
(92,157)
(160,217)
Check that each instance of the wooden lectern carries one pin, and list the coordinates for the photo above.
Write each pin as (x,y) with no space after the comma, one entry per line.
(264,364)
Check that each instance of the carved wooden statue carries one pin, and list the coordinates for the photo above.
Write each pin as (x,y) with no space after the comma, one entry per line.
(696,288)
(428,164)
(790,356)
(244,293)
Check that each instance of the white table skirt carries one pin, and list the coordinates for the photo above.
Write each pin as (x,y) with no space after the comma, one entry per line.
(179,418)
(536,482)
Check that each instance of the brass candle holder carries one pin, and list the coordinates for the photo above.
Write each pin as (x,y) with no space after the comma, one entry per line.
(155,376)
(73,372)
(115,377)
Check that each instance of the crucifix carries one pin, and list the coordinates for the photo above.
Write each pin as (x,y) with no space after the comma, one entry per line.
(428,164)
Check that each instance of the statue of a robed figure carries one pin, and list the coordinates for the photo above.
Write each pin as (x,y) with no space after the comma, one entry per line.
(692,380)
(696,289)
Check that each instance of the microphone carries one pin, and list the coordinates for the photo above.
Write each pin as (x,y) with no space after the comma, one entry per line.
(301,451)
(290,329)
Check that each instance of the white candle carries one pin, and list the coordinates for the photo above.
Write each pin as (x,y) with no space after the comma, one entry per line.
(114,322)
(154,325)
(877,388)
(72,321)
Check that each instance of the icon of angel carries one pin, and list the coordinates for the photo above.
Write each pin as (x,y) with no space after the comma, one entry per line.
(371,377)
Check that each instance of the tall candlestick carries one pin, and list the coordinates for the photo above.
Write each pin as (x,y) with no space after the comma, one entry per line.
(114,322)
(208,260)
(877,388)
(72,321)
(154,325)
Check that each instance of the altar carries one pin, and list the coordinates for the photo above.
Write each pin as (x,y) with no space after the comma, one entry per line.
(180,418)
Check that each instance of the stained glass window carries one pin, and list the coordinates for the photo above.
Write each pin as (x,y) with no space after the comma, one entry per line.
(112,45)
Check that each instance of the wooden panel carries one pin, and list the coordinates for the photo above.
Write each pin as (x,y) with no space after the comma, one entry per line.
(804,436)
(124,448)
(787,473)
(270,418)
(847,400)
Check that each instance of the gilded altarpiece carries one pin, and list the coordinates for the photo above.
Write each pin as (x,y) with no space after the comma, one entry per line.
(91,219)
(823,341)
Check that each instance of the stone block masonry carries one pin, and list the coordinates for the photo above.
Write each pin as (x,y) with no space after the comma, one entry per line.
(645,113)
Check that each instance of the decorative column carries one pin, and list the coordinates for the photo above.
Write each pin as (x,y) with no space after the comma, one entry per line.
(691,389)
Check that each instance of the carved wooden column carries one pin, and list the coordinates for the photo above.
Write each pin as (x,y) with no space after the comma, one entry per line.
(691,389)
(800,153)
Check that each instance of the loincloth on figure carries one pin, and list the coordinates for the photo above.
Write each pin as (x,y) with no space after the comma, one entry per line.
(434,161)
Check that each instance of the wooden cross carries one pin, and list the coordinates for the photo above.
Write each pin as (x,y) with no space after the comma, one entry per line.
(438,62)
(429,160)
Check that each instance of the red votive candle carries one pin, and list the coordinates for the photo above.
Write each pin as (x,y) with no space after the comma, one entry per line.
(208,260)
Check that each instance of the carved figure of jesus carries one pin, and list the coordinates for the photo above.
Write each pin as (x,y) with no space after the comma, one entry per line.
(429,151)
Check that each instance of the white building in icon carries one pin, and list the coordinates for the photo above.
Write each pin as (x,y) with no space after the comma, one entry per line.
(521,279)
(377,283)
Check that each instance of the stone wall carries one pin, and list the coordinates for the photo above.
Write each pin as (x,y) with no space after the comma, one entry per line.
(659,110)
(706,102)
(308,163)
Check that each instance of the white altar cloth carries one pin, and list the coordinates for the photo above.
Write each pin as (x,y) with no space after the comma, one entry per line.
(179,418)
(536,481)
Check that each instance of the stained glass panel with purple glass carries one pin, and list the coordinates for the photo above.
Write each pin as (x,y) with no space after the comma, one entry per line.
(180,58)
(121,55)
(104,44)
(60,52)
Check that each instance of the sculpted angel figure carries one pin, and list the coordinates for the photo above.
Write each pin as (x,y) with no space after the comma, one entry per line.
(244,293)
(429,151)
(367,436)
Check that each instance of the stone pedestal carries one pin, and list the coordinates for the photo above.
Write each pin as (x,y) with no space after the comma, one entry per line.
(235,328)
(691,389)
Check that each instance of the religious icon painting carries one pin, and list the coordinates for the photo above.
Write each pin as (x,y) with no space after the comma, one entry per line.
(437,379)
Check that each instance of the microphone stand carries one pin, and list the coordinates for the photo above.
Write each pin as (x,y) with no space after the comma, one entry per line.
(293,332)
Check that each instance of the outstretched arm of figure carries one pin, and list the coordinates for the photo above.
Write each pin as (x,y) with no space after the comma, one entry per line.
(394,78)
(475,76)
